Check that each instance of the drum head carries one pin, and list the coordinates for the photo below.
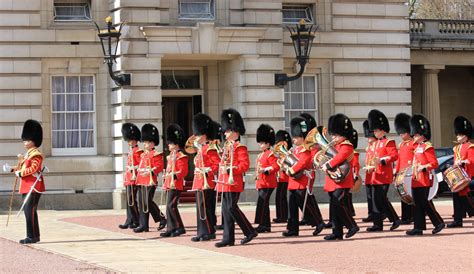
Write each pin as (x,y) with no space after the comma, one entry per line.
(407,181)
(434,187)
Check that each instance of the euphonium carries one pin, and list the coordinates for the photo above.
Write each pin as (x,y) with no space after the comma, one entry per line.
(289,159)
(190,146)
(227,154)
(326,153)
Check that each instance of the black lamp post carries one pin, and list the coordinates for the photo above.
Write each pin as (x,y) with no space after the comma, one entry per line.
(109,38)
(302,37)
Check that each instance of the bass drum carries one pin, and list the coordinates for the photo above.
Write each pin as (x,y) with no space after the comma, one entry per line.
(403,185)
(434,187)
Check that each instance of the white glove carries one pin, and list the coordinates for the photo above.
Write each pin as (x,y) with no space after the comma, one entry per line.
(7,168)
(18,173)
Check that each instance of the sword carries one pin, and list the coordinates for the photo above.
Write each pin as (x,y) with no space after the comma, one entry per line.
(38,178)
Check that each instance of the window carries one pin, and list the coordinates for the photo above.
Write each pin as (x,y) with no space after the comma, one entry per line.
(73,115)
(292,14)
(72,10)
(300,96)
(180,79)
(197,9)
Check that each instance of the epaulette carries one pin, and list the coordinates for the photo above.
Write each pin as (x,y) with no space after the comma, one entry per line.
(157,153)
(212,146)
(181,155)
(240,145)
(390,140)
(470,145)
(356,152)
(35,153)
(428,145)
(346,142)
(139,150)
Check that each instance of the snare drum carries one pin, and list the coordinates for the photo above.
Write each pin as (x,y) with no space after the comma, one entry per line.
(403,185)
(456,178)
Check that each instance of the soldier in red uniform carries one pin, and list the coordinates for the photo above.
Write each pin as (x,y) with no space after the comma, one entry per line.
(234,163)
(151,164)
(206,164)
(405,157)
(281,197)
(369,170)
(385,155)
(176,171)
(463,156)
(340,128)
(29,171)
(266,176)
(131,134)
(355,169)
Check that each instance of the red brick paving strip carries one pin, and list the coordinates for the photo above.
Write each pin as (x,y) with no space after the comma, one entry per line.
(16,258)
(451,250)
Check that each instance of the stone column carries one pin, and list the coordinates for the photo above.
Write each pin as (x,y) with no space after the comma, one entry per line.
(431,105)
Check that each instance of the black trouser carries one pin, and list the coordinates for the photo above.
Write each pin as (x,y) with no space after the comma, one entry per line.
(132,205)
(312,213)
(370,207)
(232,214)
(407,211)
(422,207)
(204,213)
(461,205)
(262,213)
(31,215)
(295,202)
(173,218)
(340,214)
(212,206)
(281,201)
(147,206)
(349,204)
(381,205)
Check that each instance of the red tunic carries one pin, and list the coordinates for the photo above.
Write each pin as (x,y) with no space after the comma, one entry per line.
(210,159)
(240,165)
(304,163)
(405,155)
(133,161)
(345,151)
(369,155)
(282,177)
(267,159)
(30,170)
(174,176)
(465,151)
(151,164)
(385,149)
(424,154)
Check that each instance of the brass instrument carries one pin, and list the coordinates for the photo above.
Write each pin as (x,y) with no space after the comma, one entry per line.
(310,140)
(190,146)
(371,162)
(227,153)
(288,158)
(257,169)
(326,153)
(131,197)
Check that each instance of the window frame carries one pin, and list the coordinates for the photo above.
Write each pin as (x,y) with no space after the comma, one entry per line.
(76,151)
(212,17)
(315,112)
(65,4)
(309,9)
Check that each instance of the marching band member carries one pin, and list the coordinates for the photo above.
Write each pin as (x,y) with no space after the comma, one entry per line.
(369,169)
(281,199)
(463,156)
(312,207)
(385,155)
(176,171)
(405,157)
(234,163)
(340,128)
(29,171)
(266,176)
(424,161)
(206,163)
(151,164)
(131,134)
(355,168)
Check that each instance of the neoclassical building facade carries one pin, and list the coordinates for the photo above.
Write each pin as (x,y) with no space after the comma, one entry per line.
(184,57)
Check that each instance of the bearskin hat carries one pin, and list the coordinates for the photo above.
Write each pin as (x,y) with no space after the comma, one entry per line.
(299,128)
(202,124)
(130,132)
(215,132)
(150,133)
(354,138)
(175,135)
(367,132)
(283,135)
(310,121)
(402,123)
(378,120)
(340,124)
(419,124)
(32,131)
(462,126)
(266,134)
(231,120)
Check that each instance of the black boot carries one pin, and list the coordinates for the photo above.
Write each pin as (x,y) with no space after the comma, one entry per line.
(414,232)
(352,232)
(454,224)
(332,237)
(222,244)
(248,238)
(318,229)
(438,228)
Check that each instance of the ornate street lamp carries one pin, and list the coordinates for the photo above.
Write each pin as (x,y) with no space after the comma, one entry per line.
(109,38)
(302,37)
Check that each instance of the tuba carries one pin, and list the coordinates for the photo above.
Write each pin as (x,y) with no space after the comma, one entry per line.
(191,146)
(288,158)
(326,153)
(227,161)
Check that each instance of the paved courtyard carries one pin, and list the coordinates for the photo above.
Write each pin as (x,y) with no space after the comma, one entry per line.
(89,241)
